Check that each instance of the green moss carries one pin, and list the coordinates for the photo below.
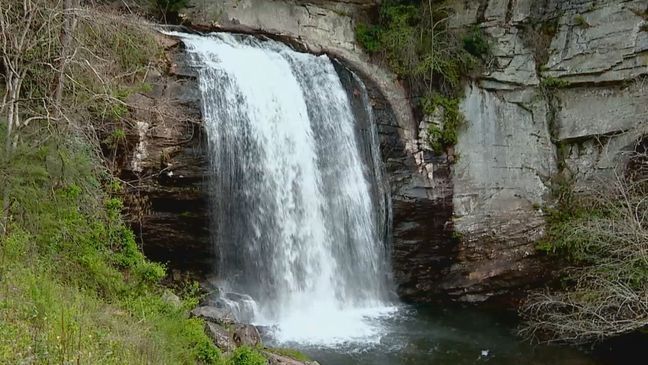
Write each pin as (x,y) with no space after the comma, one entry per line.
(553,83)
(457,236)
(581,22)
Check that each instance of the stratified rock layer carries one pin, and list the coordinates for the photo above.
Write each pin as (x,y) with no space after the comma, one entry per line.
(165,168)
(565,90)
(463,228)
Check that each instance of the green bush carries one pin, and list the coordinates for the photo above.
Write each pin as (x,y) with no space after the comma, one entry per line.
(476,44)
(412,40)
(415,43)
(246,356)
(441,139)
(368,36)
(600,234)
(553,83)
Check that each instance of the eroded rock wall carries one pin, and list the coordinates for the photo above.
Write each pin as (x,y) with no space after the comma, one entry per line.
(165,168)
(566,94)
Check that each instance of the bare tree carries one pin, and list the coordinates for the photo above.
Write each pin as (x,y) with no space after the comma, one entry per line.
(67,36)
(606,292)
(29,42)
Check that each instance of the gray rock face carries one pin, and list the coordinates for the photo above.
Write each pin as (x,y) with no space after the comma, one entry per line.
(509,146)
(213,314)
(246,335)
(221,337)
(598,41)
(274,359)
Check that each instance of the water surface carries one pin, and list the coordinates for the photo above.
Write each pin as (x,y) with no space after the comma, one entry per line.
(427,335)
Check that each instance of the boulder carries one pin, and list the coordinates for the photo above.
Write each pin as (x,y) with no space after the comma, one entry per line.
(221,337)
(172,299)
(246,335)
(274,359)
(212,314)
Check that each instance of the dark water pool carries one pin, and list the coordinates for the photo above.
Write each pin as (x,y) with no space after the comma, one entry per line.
(450,336)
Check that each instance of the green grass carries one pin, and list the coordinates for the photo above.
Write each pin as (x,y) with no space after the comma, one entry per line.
(76,287)
(245,355)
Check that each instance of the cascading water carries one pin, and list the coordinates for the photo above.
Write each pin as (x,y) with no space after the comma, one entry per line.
(297,224)
(301,218)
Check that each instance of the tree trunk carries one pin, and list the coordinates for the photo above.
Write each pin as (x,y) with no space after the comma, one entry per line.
(69,25)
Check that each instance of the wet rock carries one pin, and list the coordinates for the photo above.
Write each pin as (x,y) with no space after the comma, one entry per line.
(221,316)
(221,337)
(246,335)
(274,359)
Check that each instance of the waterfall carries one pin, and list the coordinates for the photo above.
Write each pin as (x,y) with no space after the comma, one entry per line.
(296,222)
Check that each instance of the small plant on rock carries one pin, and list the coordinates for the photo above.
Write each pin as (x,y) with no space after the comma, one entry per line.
(553,83)
(581,22)
(476,44)
(440,139)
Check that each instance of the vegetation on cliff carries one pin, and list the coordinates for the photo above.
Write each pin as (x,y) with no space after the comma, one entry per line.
(413,39)
(74,285)
(603,232)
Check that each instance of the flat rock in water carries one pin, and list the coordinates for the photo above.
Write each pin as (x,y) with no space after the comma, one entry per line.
(221,337)
(274,359)
(212,314)
(246,335)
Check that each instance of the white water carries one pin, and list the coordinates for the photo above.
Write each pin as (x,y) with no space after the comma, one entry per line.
(296,223)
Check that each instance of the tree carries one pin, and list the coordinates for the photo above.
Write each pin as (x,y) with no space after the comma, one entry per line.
(169,9)
(603,231)
(34,34)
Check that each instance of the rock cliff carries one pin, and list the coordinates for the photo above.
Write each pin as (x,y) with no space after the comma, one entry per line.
(566,92)
(165,168)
